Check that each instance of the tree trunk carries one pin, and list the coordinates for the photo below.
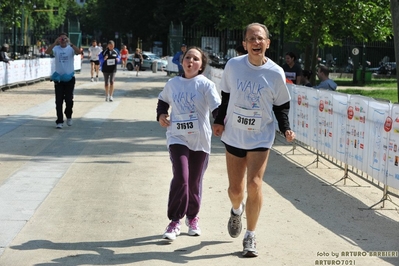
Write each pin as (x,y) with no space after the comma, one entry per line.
(314,58)
(395,23)
(307,58)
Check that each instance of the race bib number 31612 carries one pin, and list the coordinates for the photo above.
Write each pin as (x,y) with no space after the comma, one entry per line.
(245,119)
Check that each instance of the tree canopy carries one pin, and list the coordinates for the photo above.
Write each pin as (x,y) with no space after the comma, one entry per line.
(311,23)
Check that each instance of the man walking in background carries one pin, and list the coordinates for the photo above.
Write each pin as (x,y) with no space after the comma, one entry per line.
(94,52)
(63,77)
(177,59)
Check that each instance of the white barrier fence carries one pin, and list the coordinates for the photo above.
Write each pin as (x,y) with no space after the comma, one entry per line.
(358,131)
(27,70)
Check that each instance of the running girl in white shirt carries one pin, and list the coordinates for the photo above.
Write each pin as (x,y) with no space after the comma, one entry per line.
(191,98)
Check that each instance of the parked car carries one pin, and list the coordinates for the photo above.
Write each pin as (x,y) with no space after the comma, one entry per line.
(217,60)
(387,68)
(148,59)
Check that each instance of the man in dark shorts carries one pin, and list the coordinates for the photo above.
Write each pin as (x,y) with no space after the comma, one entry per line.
(253,91)
(94,52)
(138,60)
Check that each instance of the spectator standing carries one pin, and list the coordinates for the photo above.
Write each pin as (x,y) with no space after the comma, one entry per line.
(111,58)
(43,51)
(4,54)
(177,59)
(306,75)
(82,55)
(240,50)
(326,83)
(293,71)
(253,88)
(94,52)
(188,138)
(63,77)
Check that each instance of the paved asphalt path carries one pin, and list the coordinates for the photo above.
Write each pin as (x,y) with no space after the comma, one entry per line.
(96,193)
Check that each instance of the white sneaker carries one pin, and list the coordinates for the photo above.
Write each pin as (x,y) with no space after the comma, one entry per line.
(92,80)
(107,98)
(172,231)
(249,244)
(111,99)
(59,125)
(193,228)
(69,121)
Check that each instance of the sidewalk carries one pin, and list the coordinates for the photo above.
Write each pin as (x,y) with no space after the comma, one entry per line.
(96,193)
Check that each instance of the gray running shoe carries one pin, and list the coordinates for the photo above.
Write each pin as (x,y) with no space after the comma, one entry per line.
(235,226)
(249,244)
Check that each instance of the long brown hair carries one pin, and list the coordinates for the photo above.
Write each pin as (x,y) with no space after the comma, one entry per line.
(204,58)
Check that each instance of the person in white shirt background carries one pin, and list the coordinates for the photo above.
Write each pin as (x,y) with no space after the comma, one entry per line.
(63,77)
(94,52)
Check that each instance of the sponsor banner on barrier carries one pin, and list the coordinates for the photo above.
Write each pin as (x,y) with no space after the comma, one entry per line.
(325,122)
(291,115)
(296,99)
(3,73)
(378,137)
(357,140)
(21,71)
(391,124)
(313,109)
(304,124)
(340,103)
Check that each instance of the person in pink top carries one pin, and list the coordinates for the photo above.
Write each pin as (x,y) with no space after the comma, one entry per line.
(124,54)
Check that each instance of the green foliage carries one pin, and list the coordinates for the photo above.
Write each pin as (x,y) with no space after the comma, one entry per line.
(311,23)
(145,19)
(39,12)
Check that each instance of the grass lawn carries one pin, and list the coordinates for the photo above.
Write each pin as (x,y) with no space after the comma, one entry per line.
(382,88)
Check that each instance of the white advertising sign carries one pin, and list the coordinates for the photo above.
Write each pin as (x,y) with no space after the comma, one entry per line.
(391,124)
(340,103)
(378,136)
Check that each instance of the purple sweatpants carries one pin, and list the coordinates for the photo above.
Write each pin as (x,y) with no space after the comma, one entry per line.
(186,186)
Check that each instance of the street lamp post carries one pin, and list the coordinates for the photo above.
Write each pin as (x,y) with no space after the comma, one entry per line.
(129,41)
(15,38)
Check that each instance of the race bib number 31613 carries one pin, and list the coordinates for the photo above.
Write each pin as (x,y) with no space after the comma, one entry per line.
(185,124)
